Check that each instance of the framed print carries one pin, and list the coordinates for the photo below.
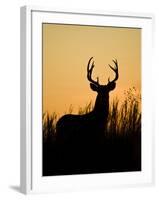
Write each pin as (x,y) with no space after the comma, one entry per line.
(86,100)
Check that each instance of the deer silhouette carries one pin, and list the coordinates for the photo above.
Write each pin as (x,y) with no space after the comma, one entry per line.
(89,127)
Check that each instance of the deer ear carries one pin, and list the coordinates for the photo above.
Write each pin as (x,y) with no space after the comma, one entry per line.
(93,87)
(112,86)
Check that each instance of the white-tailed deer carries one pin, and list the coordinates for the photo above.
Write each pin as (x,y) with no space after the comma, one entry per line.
(88,127)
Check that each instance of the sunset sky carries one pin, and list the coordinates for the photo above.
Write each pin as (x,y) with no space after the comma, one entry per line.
(66,51)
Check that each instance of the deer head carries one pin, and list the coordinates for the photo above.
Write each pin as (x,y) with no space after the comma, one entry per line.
(95,86)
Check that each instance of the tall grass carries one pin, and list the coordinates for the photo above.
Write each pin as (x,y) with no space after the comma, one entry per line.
(124,118)
(49,126)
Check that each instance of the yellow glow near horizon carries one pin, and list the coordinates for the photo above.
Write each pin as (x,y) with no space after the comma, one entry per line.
(66,51)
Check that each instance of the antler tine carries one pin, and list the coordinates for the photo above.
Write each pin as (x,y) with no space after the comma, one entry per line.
(89,72)
(115,61)
(115,69)
(88,67)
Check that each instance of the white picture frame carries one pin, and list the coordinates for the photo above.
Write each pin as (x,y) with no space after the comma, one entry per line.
(32,180)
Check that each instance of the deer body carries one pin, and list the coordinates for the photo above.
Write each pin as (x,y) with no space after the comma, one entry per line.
(88,127)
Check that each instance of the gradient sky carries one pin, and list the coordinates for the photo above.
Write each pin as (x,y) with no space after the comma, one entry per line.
(66,51)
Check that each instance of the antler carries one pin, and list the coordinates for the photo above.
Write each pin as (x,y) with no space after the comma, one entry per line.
(89,72)
(115,69)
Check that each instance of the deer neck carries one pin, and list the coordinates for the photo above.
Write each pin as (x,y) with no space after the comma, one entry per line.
(101,107)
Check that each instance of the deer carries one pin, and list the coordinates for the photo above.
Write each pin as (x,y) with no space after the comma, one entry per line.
(89,127)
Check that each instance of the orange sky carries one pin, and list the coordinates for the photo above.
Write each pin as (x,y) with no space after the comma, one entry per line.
(66,51)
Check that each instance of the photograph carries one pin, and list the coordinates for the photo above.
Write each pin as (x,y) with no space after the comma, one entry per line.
(91,99)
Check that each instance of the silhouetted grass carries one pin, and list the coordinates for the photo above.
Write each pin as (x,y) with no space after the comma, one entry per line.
(126,118)
(121,150)
(49,127)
